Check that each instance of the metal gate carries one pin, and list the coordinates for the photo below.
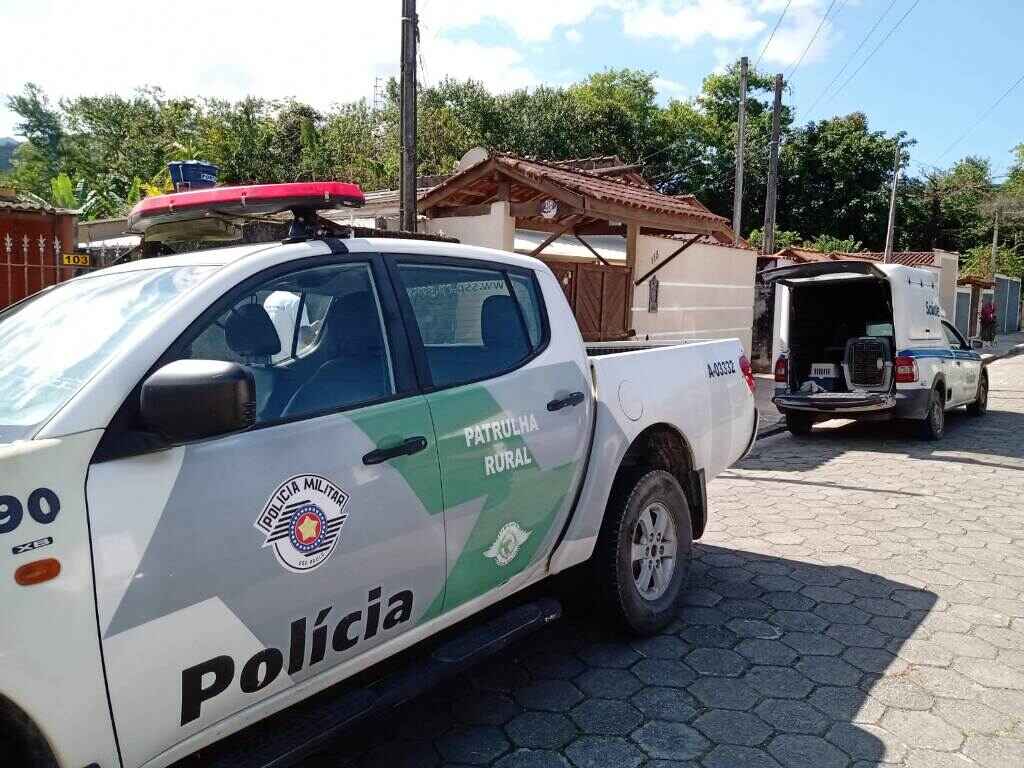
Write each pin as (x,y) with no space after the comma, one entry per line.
(36,250)
(1007,301)
(962,312)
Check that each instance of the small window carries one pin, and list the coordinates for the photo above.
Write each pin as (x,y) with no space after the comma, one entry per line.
(526,294)
(472,327)
(953,337)
(313,339)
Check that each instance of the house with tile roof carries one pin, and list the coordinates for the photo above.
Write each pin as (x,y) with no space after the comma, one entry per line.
(633,262)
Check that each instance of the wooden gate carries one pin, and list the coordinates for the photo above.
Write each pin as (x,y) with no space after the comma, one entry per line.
(599,296)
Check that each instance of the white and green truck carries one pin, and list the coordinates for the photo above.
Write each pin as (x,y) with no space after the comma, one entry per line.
(234,479)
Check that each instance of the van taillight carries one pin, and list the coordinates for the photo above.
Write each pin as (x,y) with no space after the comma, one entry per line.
(906,370)
(781,369)
(748,373)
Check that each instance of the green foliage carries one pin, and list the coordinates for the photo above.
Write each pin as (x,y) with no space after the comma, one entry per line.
(978,262)
(101,153)
(783,238)
(833,244)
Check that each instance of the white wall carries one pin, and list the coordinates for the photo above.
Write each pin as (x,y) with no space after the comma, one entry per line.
(707,291)
(493,230)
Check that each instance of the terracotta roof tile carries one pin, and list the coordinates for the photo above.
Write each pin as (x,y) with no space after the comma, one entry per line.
(906,258)
(608,189)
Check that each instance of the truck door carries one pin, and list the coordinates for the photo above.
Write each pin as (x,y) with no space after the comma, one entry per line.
(231,569)
(512,406)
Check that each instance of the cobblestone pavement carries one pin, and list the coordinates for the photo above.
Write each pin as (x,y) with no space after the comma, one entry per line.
(858,600)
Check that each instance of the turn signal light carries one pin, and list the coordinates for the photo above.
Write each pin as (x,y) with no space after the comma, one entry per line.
(906,370)
(37,572)
(748,373)
(781,369)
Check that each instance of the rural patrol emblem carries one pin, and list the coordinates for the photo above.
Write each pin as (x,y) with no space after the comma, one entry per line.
(505,548)
(302,521)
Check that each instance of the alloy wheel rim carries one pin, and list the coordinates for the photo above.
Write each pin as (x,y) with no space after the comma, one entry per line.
(653,550)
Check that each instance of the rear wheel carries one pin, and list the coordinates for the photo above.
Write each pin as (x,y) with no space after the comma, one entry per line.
(934,424)
(980,405)
(644,551)
(799,423)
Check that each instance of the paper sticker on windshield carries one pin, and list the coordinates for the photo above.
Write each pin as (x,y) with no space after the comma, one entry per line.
(302,521)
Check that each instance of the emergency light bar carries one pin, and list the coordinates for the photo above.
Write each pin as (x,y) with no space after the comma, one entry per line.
(252,200)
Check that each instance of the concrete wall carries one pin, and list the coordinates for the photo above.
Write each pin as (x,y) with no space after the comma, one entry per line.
(493,230)
(705,292)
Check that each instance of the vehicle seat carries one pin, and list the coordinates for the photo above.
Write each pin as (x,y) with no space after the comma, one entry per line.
(502,332)
(250,333)
(357,370)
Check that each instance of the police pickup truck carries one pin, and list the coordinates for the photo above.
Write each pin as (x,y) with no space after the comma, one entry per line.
(235,478)
(862,340)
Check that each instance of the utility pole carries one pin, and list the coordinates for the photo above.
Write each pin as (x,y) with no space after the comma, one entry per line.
(741,135)
(768,238)
(890,230)
(407,186)
(995,243)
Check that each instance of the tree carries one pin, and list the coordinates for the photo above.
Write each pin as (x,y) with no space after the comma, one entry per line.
(835,177)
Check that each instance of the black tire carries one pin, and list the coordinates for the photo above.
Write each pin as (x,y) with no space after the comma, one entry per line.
(980,405)
(934,425)
(799,423)
(614,556)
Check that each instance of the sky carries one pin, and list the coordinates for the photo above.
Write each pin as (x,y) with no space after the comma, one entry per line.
(934,74)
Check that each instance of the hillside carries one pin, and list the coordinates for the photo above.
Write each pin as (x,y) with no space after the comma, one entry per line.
(7,147)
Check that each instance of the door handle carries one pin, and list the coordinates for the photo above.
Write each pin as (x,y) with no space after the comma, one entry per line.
(407,447)
(570,400)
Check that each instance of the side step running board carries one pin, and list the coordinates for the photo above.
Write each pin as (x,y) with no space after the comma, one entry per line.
(284,738)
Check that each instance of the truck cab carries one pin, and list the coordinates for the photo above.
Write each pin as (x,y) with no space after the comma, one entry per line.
(861,340)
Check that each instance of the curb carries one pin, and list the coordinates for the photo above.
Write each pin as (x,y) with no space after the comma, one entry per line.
(771,432)
(1019,349)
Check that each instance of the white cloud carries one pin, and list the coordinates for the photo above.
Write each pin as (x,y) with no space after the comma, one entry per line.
(670,89)
(529,20)
(687,23)
(796,31)
(574,36)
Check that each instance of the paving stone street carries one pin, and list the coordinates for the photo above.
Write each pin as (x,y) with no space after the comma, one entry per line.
(857,600)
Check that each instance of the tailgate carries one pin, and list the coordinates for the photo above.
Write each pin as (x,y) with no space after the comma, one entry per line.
(821,271)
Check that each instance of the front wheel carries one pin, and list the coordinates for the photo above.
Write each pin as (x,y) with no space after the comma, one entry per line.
(934,425)
(644,551)
(980,405)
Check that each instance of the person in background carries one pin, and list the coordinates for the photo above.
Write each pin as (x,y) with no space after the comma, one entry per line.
(988,323)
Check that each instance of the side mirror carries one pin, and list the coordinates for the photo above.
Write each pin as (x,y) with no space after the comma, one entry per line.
(191,399)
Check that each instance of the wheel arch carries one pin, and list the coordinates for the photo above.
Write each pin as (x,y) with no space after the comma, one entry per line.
(21,738)
(663,446)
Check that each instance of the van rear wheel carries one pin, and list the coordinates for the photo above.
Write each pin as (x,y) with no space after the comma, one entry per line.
(799,423)
(980,405)
(644,551)
(934,425)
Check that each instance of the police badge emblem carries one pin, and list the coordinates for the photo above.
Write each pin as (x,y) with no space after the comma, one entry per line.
(302,521)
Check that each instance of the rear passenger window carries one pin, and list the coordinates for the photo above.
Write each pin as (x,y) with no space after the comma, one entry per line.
(471,324)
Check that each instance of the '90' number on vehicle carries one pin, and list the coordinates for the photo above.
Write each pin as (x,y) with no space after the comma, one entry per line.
(721,368)
(42,506)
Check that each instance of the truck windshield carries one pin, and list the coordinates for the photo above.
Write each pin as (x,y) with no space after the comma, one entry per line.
(53,343)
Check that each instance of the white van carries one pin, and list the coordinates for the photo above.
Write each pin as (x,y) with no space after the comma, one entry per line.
(863,340)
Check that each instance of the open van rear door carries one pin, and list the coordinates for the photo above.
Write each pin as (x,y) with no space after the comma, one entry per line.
(821,271)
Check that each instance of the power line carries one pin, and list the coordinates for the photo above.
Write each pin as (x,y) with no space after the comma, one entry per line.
(772,35)
(874,50)
(813,38)
(853,55)
(981,119)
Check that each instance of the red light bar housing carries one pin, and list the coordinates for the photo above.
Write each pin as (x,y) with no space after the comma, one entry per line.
(251,200)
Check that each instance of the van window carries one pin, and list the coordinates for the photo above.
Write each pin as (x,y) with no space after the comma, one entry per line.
(471,325)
